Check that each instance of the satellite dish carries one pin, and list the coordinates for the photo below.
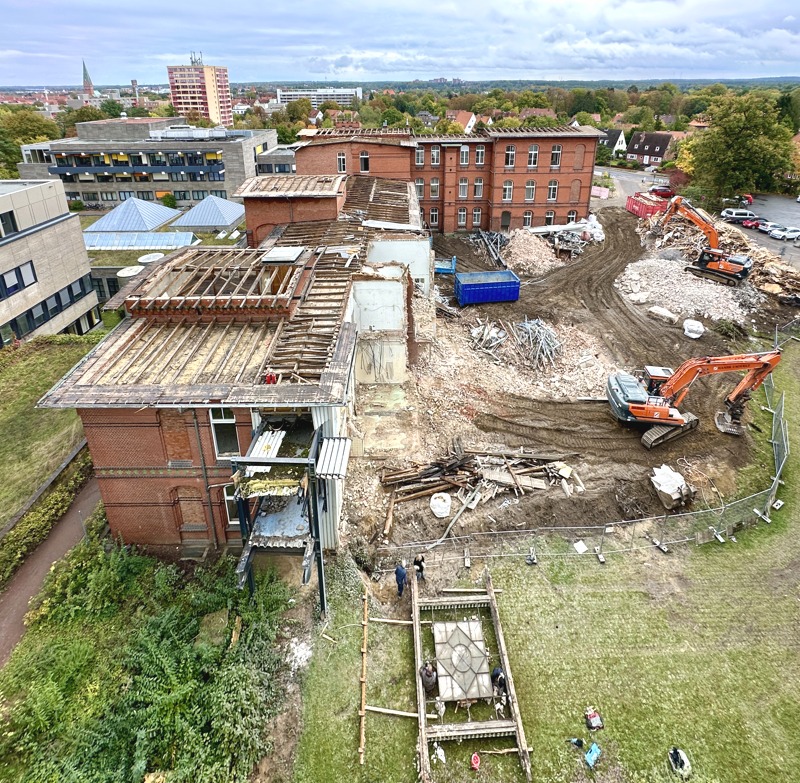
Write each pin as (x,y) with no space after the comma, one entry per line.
(129,271)
(150,257)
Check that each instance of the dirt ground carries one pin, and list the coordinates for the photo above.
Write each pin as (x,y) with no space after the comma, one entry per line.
(467,395)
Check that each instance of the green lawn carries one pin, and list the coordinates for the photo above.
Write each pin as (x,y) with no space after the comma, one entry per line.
(34,441)
(699,648)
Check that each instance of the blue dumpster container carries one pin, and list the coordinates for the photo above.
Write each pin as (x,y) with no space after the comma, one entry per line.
(481,287)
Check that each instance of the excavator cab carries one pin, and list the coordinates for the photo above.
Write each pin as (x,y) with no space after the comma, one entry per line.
(654,376)
(719,266)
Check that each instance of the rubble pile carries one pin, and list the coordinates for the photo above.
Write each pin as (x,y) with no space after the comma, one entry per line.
(663,281)
(477,475)
(533,341)
(530,255)
(769,273)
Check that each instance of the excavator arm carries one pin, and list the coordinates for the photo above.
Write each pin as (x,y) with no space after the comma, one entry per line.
(680,206)
(759,366)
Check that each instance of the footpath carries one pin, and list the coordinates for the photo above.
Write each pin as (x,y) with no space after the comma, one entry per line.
(28,579)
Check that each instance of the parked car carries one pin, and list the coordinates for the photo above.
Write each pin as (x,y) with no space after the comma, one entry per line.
(767,227)
(664,191)
(786,234)
(798,199)
(753,222)
(650,169)
(737,215)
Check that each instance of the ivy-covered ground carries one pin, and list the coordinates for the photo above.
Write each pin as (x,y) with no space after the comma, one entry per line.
(119,675)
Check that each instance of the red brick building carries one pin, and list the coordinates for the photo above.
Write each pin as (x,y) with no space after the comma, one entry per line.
(496,179)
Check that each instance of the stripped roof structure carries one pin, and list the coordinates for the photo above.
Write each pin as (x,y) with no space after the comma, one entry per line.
(243,327)
(310,186)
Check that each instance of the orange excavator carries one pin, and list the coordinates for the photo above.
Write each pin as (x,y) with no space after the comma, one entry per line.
(712,263)
(653,396)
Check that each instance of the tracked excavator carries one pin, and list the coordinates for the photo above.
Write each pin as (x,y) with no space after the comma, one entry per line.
(712,263)
(653,396)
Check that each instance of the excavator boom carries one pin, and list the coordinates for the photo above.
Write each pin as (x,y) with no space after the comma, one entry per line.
(712,263)
(654,396)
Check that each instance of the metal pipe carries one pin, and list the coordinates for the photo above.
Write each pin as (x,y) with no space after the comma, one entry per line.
(205,479)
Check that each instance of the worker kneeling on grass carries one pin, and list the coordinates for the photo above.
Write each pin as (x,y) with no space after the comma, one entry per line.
(429,678)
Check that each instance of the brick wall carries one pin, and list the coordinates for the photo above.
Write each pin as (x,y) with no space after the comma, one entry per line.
(263,214)
(387,160)
(160,483)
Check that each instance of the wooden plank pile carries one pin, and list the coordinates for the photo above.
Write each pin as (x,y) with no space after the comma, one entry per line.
(769,274)
(532,341)
(464,470)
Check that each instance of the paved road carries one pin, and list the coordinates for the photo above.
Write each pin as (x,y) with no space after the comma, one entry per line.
(28,580)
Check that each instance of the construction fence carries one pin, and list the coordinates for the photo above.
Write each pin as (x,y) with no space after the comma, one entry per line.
(720,522)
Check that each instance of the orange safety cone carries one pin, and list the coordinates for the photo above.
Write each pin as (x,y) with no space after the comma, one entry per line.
(475,762)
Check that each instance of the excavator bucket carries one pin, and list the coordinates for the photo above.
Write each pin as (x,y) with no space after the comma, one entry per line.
(728,425)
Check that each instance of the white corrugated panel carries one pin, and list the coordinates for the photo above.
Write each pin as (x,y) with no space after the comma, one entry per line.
(267,445)
(333,458)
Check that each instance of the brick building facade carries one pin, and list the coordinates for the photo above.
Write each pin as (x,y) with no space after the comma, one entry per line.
(498,179)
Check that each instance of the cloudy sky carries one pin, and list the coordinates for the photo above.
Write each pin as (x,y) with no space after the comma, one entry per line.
(44,41)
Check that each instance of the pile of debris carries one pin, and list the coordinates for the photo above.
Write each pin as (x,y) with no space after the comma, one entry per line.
(663,281)
(769,273)
(532,340)
(530,255)
(482,474)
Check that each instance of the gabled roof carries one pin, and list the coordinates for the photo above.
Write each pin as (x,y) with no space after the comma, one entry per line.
(656,142)
(134,214)
(612,137)
(211,212)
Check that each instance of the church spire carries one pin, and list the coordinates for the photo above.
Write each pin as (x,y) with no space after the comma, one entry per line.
(88,87)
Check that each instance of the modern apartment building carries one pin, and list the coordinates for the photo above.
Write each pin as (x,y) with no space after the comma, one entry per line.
(45,287)
(496,179)
(144,157)
(342,95)
(203,89)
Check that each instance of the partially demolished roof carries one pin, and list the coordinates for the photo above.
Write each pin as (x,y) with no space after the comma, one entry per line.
(314,186)
(242,327)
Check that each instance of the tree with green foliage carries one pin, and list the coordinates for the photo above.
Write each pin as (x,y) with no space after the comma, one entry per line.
(392,117)
(111,107)
(299,110)
(27,127)
(10,155)
(169,200)
(745,148)
(137,111)
(69,118)
(603,155)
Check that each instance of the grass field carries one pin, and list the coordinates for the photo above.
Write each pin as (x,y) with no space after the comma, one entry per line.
(34,441)
(699,648)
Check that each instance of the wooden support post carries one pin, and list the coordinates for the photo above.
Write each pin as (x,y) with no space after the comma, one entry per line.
(362,711)
(389,515)
(422,737)
(522,745)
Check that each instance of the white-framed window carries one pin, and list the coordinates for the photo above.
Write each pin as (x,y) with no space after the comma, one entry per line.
(223,428)
(552,190)
(476,216)
(572,216)
(533,156)
(480,154)
(549,217)
(527,219)
(462,216)
(434,220)
(463,187)
(463,157)
(419,156)
(435,187)
(364,158)
(530,190)
(422,215)
(511,154)
(435,155)
(477,188)
(341,162)
(106,196)
(508,190)
(555,156)
(231,508)
(419,184)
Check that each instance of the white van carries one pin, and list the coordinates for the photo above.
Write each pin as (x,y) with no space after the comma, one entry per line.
(737,215)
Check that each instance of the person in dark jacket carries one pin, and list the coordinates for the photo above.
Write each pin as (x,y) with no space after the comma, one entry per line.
(429,677)
(402,578)
(498,680)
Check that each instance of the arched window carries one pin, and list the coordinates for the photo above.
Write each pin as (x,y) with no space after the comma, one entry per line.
(463,187)
(511,154)
(527,218)
(530,190)
(555,156)
(572,216)
(419,184)
(533,156)
(552,190)
(580,151)
(508,190)
(549,218)
(364,158)
(476,217)
(462,216)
